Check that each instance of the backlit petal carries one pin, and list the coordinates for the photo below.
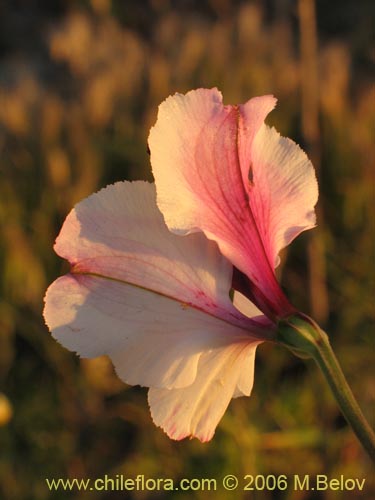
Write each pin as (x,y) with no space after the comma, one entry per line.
(137,292)
(216,172)
(196,410)
(152,340)
(119,233)
(285,190)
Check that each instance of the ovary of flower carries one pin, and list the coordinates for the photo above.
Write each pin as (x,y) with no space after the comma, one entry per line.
(158,303)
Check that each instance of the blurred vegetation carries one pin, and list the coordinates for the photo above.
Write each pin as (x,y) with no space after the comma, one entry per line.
(79,87)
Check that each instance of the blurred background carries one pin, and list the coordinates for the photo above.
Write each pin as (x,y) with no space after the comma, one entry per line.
(80,82)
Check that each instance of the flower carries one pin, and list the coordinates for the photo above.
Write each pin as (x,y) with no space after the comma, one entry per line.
(158,304)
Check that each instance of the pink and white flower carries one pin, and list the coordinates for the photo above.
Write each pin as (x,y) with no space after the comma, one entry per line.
(158,304)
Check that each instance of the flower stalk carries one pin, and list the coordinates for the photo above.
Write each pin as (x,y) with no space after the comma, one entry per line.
(306,339)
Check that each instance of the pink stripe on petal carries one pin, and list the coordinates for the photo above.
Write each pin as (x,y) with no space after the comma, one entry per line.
(208,176)
(285,190)
(120,233)
(151,339)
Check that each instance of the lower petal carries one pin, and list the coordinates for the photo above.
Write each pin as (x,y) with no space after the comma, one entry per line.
(196,410)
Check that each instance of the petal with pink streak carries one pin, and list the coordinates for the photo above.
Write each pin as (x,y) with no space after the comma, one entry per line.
(285,190)
(196,410)
(209,177)
(151,339)
(119,233)
(139,293)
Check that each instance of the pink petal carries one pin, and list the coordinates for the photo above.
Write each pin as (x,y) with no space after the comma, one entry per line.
(285,191)
(196,410)
(119,233)
(216,172)
(137,292)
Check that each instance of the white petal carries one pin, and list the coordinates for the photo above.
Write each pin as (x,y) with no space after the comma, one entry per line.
(196,410)
(152,340)
(119,233)
(151,300)
(244,305)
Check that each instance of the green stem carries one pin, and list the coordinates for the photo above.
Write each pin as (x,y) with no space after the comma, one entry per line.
(306,339)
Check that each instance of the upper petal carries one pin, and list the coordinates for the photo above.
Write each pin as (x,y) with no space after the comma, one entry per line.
(208,165)
(196,410)
(284,190)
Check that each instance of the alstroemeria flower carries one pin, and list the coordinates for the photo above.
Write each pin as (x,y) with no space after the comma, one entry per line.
(158,304)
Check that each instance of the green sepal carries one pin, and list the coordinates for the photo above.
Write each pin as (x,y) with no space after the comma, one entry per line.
(301,335)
